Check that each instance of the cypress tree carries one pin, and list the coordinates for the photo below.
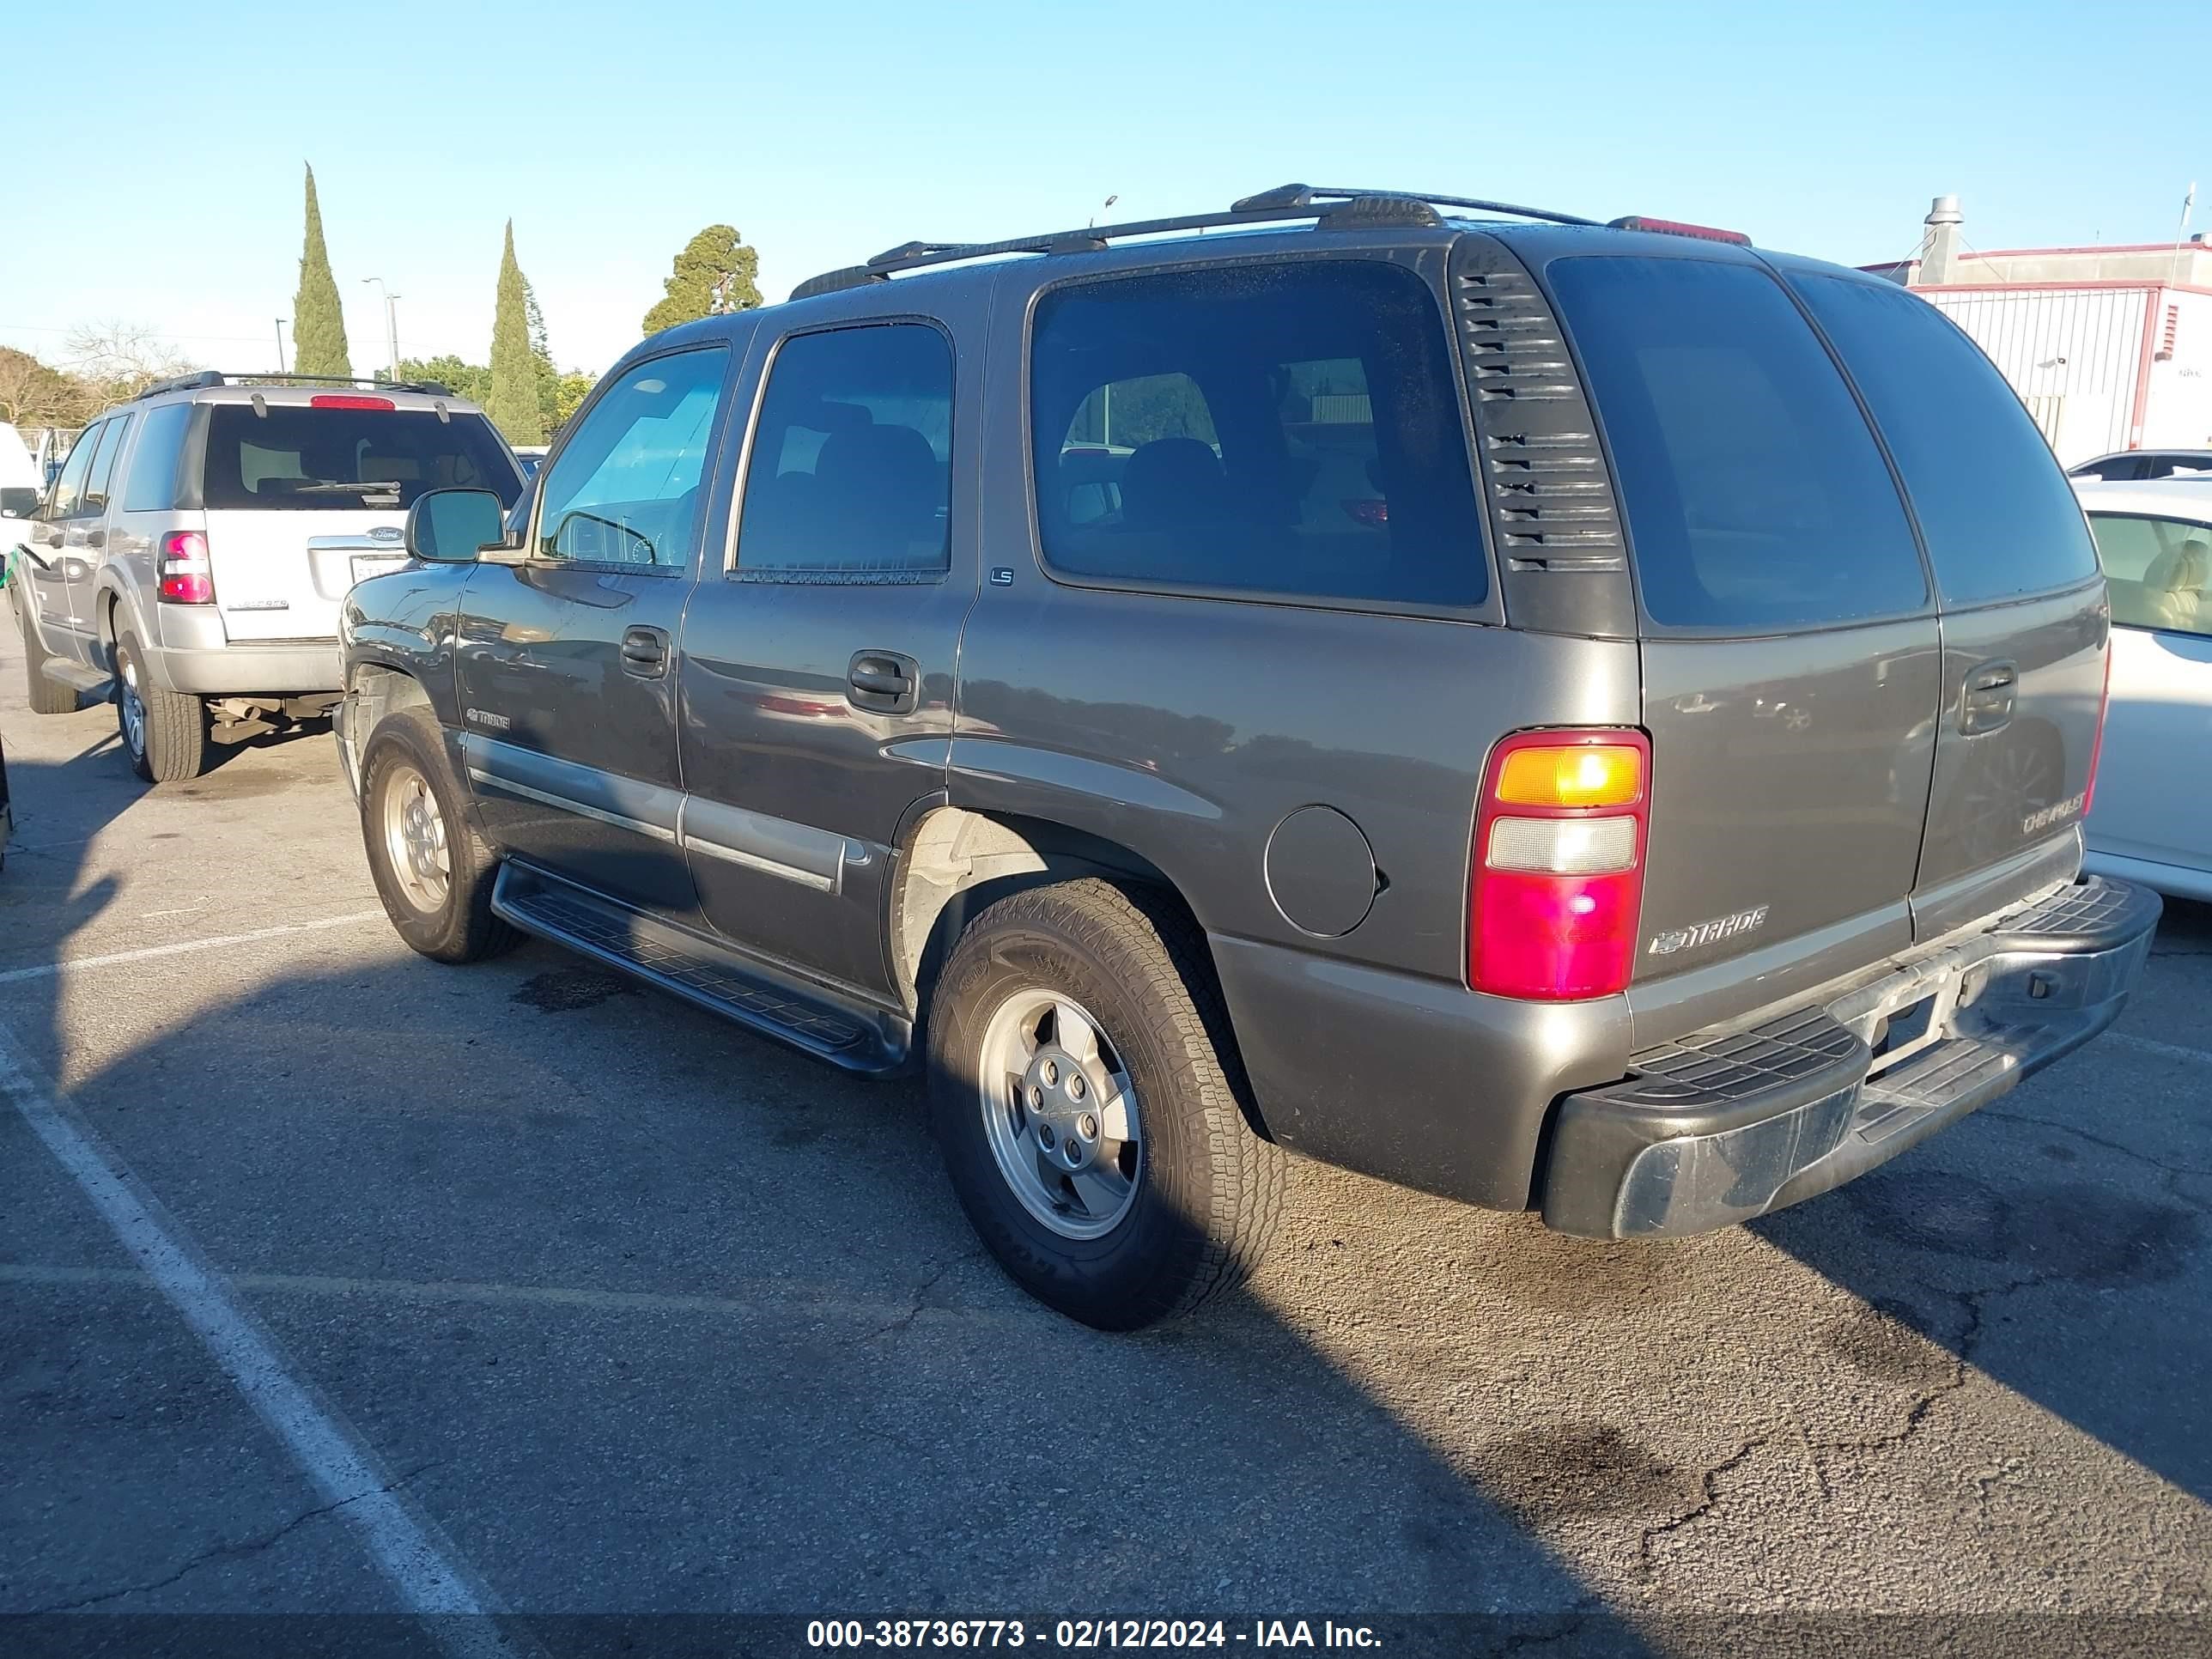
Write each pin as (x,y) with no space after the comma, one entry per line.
(318,341)
(514,405)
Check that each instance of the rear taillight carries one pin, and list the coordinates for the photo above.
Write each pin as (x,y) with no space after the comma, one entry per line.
(2097,743)
(187,578)
(1557,892)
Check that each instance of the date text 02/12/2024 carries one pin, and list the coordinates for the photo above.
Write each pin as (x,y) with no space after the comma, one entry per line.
(1085,1633)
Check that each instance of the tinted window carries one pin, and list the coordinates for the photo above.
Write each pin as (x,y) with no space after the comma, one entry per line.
(625,488)
(851,474)
(1998,515)
(101,476)
(1288,428)
(300,458)
(69,487)
(152,486)
(1755,495)
(2159,569)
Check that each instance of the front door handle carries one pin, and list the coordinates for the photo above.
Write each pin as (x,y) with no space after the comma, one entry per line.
(645,652)
(1986,703)
(883,682)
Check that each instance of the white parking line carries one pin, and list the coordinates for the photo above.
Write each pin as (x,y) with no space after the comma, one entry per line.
(422,1567)
(72,964)
(2152,1045)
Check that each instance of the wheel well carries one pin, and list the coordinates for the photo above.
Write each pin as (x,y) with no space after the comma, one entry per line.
(957,862)
(377,692)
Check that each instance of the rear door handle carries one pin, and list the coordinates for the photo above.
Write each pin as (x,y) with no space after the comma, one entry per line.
(645,652)
(1986,703)
(883,682)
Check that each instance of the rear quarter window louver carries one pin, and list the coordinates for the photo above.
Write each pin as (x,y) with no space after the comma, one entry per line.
(1551,498)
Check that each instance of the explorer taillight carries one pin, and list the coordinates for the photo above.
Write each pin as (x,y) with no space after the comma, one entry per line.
(187,578)
(1557,890)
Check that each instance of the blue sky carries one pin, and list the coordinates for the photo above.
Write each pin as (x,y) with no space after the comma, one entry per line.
(161,184)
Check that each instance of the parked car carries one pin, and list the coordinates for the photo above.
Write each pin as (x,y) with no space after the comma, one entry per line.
(195,548)
(529,457)
(1631,810)
(2153,819)
(2129,465)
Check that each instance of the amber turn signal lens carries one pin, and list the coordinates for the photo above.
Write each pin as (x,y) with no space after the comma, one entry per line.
(1576,775)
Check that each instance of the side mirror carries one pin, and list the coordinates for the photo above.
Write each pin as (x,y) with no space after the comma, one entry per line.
(19,501)
(451,526)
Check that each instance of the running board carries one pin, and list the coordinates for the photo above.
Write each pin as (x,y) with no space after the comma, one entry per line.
(685,963)
(93,686)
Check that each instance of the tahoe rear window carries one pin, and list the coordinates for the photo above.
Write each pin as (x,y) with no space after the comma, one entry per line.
(1998,515)
(300,458)
(1755,496)
(1285,428)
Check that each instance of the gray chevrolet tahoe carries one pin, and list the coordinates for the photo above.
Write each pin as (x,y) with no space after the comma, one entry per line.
(1581,717)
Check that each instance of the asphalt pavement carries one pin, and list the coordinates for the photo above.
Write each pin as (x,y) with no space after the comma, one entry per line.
(333,1280)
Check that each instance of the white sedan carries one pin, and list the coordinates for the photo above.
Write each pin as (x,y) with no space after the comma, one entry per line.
(2151,818)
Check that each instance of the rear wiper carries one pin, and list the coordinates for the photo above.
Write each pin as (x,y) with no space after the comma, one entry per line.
(366,487)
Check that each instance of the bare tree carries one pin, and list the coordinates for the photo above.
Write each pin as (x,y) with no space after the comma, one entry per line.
(122,359)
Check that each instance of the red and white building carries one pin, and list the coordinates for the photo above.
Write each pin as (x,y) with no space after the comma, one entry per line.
(2110,348)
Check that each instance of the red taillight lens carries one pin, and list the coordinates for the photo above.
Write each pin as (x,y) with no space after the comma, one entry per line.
(348,400)
(2097,743)
(1557,891)
(187,578)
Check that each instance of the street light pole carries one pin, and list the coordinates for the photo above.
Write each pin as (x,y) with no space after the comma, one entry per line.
(391,322)
(280,345)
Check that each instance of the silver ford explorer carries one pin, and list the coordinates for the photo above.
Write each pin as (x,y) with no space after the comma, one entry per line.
(189,560)
(1594,718)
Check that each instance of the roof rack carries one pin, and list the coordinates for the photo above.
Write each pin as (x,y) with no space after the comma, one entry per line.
(1319,202)
(207,377)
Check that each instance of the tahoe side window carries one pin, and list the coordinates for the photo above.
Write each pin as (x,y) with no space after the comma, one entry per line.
(851,474)
(2160,571)
(1755,496)
(625,488)
(1996,511)
(1280,428)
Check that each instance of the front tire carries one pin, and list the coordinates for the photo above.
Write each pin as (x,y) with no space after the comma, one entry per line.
(165,733)
(433,871)
(1087,1119)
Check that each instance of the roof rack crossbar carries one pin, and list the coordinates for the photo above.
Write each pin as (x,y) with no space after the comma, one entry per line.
(207,377)
(1272,206)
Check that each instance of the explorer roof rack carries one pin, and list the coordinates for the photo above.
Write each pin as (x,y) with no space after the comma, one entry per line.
(1319,202)
(207,377)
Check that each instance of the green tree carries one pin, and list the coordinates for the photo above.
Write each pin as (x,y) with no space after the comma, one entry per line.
(715,273)
(569,391)
(469,380)
(514,401)
(318,341)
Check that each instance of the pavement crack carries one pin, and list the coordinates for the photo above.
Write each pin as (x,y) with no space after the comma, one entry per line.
(1711,1482)
(899,1326)
(2169,1171)
(229,1552)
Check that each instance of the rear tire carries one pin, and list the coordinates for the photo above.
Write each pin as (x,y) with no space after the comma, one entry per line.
(433,871)
(48,696)
(1080,1098)
(165,733)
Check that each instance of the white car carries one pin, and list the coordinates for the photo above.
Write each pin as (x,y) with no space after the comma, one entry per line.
(2151,818)
(2123,465)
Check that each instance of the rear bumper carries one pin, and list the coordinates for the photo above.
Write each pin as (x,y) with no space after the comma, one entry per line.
(289,667)
(1729,1124)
